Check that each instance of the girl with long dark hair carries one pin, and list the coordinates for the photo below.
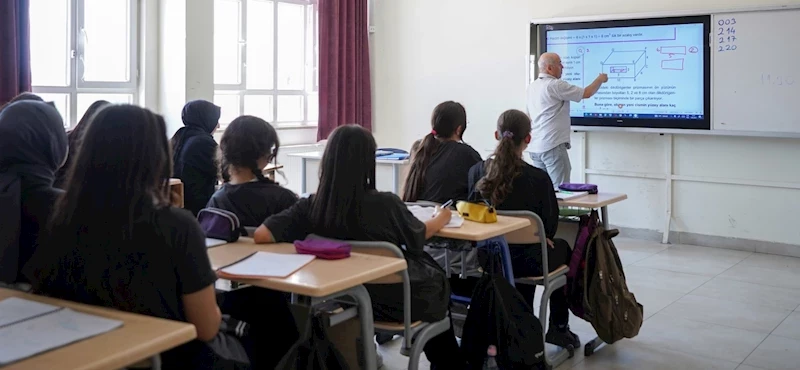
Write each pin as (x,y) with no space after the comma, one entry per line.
(346,206)
(440,161)
(248,145)
(510,183)
(74,139)
(194,153)
(116,241)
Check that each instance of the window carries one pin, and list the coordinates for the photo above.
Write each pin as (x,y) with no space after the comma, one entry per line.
(265,60)
(83,51)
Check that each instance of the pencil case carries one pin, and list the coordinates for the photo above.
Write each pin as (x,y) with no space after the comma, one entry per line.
(590,188)
(325,249)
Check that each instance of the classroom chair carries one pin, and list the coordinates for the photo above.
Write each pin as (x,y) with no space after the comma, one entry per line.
(415,334)
(550,282)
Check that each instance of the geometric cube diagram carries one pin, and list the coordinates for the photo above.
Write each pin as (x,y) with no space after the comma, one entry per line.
(625,64)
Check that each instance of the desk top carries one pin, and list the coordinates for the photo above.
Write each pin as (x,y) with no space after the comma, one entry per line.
(138,338)
(319,278)
(593,200)
(476,231)
(318,155)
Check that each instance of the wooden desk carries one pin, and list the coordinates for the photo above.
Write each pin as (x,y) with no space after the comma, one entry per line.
(476,231)
(176,186)
(320,278)
(139,338)
(395,163)
(594,201)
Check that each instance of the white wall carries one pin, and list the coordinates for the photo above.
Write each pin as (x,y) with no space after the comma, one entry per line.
(476,52)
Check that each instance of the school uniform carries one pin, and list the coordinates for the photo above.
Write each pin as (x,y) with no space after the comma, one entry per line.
(253,201)
(446,174)
(194,153)
(384,217)
(34,145)
(532,191)
(165,260)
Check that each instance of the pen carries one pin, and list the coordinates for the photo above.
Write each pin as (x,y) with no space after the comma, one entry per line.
(443,206)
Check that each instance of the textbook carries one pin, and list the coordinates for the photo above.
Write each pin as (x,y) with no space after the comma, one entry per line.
(28,328)
(265,264)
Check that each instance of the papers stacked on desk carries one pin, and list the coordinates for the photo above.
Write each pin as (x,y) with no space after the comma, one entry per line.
(426,213)
(265,264)
(567,195)
(28,328)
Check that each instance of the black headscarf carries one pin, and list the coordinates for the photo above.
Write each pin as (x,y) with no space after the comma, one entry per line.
(33,145)
(200,117)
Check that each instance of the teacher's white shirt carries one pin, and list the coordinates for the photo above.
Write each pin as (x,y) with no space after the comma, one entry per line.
(548,107)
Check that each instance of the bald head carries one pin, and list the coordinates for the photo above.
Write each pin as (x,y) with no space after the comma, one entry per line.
(550,63)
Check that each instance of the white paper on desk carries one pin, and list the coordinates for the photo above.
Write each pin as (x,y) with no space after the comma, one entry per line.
(210,243)
(567,195)
(426,213)
(50,331)
(15,309)
(265,264)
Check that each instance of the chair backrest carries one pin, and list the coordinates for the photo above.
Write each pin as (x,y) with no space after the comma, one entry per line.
(528,235)
(383,249)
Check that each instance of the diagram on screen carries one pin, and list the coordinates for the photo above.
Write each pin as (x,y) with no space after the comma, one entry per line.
(625,63)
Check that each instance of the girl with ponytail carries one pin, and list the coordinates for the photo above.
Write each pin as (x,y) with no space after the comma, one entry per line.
(248,145)
(440,161)
(509,183)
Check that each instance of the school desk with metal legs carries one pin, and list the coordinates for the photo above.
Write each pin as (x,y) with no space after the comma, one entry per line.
(321,280)
(397,166)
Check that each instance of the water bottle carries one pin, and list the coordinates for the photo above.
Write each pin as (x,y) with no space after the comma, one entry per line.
(491,363)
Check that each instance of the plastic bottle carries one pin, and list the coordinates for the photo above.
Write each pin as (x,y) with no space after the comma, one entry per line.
(491,362)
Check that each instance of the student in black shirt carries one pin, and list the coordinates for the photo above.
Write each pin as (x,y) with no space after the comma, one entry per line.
(116,241)
(510,183)
(33,146)
(74,138)
(440,162)
(248,145)
(347,207)
(194,151)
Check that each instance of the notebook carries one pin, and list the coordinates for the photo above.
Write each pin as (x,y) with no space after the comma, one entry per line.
(210,243)
(265,264)
(28,328)
(426,213)
(567,195)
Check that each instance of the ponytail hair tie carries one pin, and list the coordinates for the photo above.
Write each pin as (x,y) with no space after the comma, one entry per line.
(433,132)
(508,134)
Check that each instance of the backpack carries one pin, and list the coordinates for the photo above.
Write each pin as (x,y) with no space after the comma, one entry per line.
(314,350)
(577,264)
(499,315)
(615,314)
(220,224)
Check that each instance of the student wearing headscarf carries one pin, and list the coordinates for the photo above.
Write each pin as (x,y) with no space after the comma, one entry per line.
(194,151)
(34,146)
(73,139)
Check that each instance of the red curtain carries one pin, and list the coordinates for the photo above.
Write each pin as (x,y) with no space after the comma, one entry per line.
(15,52)
(344,80)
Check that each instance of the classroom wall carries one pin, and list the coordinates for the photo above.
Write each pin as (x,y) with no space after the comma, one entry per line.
(716,191)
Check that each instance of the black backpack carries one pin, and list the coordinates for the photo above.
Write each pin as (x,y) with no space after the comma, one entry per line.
(499,315)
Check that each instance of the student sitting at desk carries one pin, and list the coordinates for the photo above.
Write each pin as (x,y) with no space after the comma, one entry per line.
(440,161)
(510,183)
(347,207)
(33,146)
(248,145)
(116,241)
(74,138)
(194,153)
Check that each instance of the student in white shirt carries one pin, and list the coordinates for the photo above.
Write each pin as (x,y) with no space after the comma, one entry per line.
(548,106)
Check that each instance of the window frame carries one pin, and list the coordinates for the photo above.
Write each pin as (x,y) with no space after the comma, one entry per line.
(77,50)
(311,63)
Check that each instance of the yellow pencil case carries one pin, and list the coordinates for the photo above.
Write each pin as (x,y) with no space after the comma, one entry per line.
(478,212)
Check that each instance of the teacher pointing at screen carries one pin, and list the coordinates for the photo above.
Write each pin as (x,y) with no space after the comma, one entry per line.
(548,107)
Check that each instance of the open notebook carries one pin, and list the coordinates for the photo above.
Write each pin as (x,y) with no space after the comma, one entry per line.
(426,213)
(265,264)
(28,328)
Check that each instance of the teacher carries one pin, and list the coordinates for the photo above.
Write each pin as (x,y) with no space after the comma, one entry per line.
(548,107)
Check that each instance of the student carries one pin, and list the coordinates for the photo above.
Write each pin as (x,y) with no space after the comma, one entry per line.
(194,151)
(347,206)
(116,241)
(23,96)
(440,162)
(510,183)
(248,145)
(74,137)
(33,146)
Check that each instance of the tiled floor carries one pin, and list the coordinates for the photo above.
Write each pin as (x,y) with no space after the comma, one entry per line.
(705,308)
